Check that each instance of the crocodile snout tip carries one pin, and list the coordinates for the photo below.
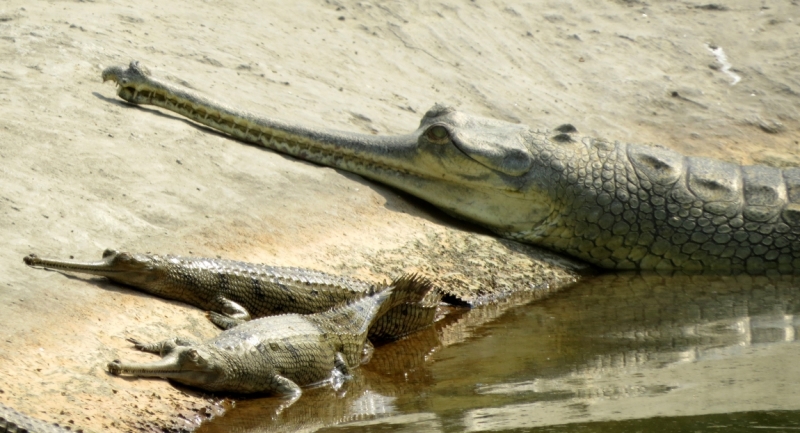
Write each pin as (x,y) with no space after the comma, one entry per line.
(115,367)
(31,259)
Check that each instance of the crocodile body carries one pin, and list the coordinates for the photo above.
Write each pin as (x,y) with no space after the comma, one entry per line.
(616,205)
(234,292)
(278,354)
(12,421)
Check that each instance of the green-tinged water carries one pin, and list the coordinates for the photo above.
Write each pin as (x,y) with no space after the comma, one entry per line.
(615,353)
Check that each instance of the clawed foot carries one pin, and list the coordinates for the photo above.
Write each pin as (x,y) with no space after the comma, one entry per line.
(137,344)
(224,321)
(162,347)
(156,348)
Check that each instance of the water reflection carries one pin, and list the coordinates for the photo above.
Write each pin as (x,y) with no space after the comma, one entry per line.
(612,349)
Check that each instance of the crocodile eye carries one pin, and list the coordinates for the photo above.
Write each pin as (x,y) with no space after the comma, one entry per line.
(437,134)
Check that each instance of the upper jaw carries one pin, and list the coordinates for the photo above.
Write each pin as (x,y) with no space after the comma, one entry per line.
(168,367)
(102,267)
(466,177)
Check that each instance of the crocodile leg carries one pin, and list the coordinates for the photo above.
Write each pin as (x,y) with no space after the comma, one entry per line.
(162,347)
(232,314)
(287,388)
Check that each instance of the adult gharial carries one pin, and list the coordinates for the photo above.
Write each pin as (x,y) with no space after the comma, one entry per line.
(616,205)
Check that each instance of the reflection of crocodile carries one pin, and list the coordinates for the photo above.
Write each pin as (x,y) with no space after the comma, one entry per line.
(623,320)
(620,206)
(278,354)
(678,312)
(234,292)
(668,345)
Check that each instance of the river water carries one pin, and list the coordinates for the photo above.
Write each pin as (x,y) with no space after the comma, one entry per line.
(621,353)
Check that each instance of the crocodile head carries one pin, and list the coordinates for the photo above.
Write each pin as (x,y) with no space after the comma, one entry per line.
(193,366)
(474,168)
(139,270)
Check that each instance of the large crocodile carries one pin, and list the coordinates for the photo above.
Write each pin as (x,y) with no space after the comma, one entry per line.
(234,292)
(278,354)
(616,205)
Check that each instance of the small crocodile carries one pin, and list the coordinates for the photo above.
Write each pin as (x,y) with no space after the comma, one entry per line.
(12,421)
(234,292)
(616,205)
(278,354)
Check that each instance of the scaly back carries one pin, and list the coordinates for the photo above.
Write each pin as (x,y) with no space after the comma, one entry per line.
(357,317)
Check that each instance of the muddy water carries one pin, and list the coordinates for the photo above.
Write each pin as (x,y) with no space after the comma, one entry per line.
(613,353)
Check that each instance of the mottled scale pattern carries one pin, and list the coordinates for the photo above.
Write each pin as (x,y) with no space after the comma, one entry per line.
(262,290)
(630,206)
(406,319)
(267,290)
(12,421)
(234,292)
(616,205)
(279,354)
(262,351)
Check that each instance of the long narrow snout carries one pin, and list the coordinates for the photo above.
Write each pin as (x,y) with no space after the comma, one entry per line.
(168,368)
(102,268)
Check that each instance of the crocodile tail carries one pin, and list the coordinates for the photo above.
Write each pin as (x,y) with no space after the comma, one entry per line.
(406,318)
(406,289)
(358,316)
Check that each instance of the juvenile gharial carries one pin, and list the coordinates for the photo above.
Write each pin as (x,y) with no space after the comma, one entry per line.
(278,354)
(234,292)
(616,205)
